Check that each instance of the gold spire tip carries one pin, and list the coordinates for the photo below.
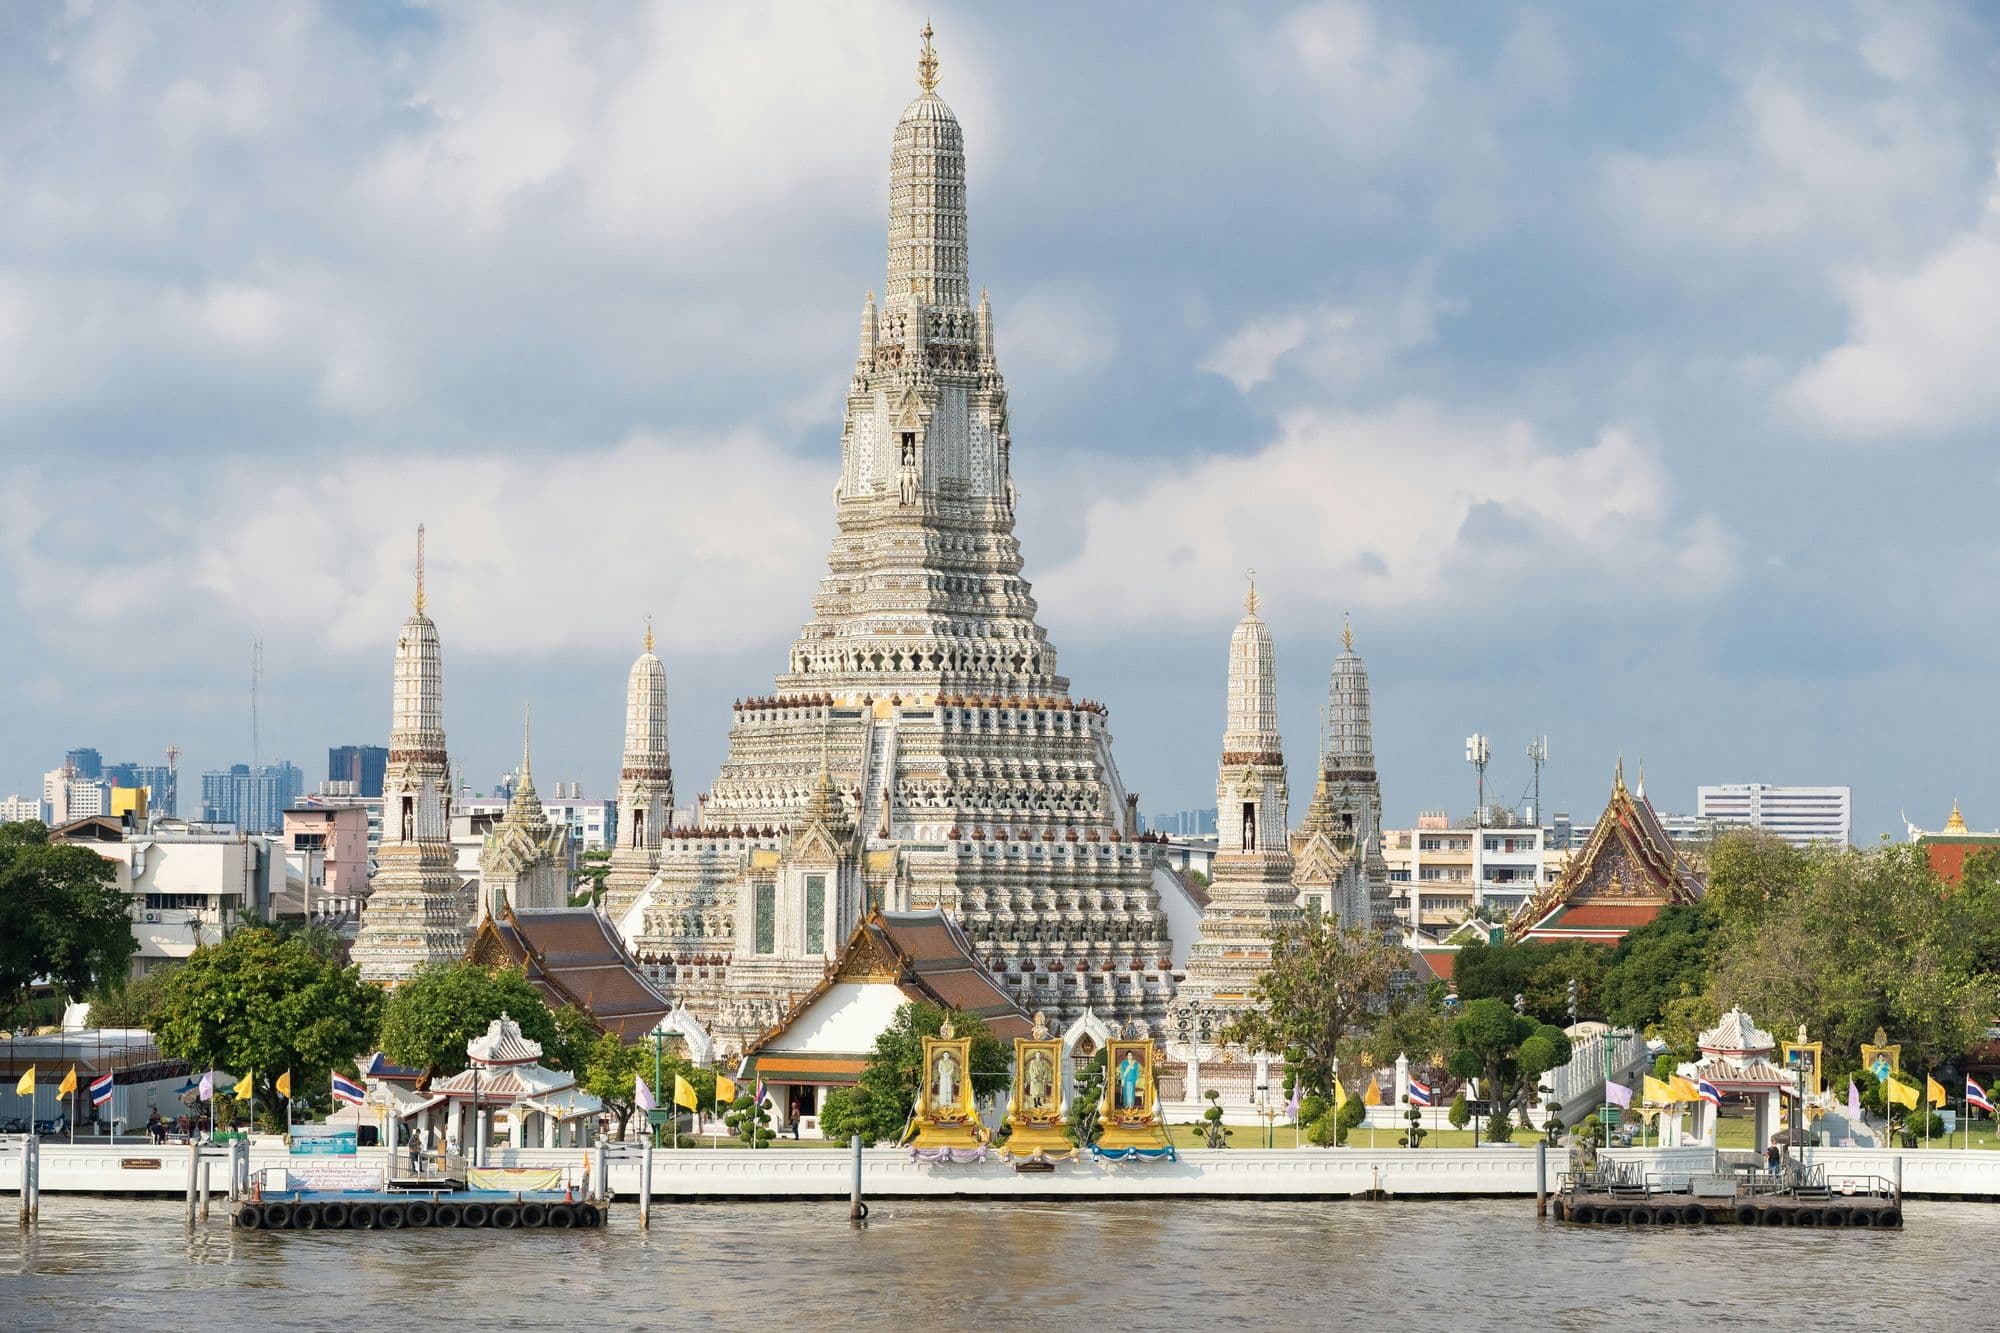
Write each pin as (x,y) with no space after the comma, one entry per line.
(927,64)
(1347,631)
(1250,598)
(420,566)
(649,631)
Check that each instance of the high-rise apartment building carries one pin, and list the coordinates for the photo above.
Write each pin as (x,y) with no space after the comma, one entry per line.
(161,784)
(362,765)
(1799,815)
(67,795)
(88,763)
(252,801)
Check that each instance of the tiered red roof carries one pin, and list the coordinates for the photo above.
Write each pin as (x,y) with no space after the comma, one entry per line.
(1623,878)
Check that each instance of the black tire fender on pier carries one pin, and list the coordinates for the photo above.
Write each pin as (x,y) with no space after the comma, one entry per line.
(305,1217)
(446,1215)
(589,1216)
(1693,1214)
(277,1216)
(1641,1215)
(506,1216)
(561,1215)
(1613,1216)
(418,1214)
(333,1216)
(1559,1210)
(361,1216)
(1746,1215)
(1777,1217)
(474,1215)
(534,1214)
(1583,1212)
(250,1216)
(389,1216)
(1889,1217)
(1666,1215)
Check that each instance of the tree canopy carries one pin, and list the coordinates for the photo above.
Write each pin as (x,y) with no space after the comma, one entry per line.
(430,1017)
(1326,984)
(260,1003)
(62,916)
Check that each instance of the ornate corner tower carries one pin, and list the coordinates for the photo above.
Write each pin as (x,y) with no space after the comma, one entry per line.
(1339,846)
(415,913)
(1250,884)
(977,785)
(645,783)
(525,861)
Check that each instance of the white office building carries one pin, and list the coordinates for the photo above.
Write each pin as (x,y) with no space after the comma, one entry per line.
(1799,815)
(22,810)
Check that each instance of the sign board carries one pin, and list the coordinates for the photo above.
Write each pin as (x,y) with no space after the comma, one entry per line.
(323,1141)
(138,1163)
(659,1116)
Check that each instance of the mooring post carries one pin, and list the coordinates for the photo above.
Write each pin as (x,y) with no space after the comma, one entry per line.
(24,1181)
(603,1176)
(857,1211)
(1542,1178)
(31,1179)
(646,1186)
(194,1169)
(1899,1180)
(205,1164)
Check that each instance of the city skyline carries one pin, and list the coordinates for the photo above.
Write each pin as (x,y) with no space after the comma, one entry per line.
(1570,448)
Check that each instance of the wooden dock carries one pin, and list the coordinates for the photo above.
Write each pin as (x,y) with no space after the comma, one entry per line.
(1603,1208)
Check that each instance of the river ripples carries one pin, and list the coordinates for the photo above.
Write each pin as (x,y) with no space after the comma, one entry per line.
(1487,1264)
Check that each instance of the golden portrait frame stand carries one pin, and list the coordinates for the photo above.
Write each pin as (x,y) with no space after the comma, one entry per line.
(1130,1117)
(1038,1124)
(947,1118)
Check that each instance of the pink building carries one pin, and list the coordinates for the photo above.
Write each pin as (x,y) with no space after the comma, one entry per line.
(326,856)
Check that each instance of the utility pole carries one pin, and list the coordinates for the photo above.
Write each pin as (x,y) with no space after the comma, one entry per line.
(1538,754)
(1477,753)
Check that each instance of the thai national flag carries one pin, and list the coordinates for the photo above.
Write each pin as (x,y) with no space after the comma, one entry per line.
(1709,1092)
(1420,1093)
(347,1090)
(100,1089)
(1976,1096)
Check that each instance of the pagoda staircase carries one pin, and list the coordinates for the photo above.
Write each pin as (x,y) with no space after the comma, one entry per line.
(876,772)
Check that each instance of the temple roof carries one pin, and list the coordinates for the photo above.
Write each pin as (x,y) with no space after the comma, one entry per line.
(1624,876)
(928,958)
(503,1044)
(574,956)
(1736,1035)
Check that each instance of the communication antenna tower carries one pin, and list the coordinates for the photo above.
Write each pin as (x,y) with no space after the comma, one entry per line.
(1538,755)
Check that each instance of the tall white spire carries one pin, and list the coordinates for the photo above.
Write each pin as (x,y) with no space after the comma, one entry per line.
(645,782)
(416,912)
(1251,732)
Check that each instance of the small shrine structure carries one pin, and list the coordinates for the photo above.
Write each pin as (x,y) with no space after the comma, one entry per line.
(505,1077)
(1736,1061)
(1038,1112)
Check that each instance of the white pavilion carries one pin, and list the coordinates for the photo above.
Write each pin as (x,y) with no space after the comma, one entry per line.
(506,1084)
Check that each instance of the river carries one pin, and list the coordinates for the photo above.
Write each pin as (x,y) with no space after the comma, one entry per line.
(113,1264)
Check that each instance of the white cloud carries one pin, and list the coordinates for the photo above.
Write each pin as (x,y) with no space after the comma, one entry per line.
(720,537)
(1409,506)
(1921,354)
(1335,343)
(1374,89)
(1051,331)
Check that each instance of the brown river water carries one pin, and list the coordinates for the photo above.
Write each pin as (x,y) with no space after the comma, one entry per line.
(98,1263)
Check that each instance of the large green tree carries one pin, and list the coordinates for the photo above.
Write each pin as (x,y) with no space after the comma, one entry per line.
(1506,1051)
(1327,984)
(62,917)
(1662,961)
(261,1004)
(135,1004)
(430,1017)
(611,1072)
(880,1102)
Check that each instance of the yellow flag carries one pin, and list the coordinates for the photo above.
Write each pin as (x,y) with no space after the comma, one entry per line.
(26,1087)
(1339,1095)
(1656,1092)
(1933,1091)
(284,1084)
(1900,1093)
(244,1090)
(1373,1095)
(725,1090)
(1684,1089)
(684,1093)
(69,1082)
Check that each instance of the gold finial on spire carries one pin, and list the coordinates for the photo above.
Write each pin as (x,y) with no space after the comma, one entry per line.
(527,740)
(1250,598)
(420,567)
(1618,777)
(927,75)
(649,631)
(1347,630)
(1956,824)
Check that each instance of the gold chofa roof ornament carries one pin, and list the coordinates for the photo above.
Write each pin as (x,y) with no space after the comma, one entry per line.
(927,64)
(1956,824)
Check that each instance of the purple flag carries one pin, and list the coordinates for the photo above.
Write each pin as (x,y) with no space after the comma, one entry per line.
(1618,1093)
(1853,1102)
(1292,1105)
(642,1096)
(207,1089)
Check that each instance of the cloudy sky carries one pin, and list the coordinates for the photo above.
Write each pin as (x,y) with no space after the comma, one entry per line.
(1630,373)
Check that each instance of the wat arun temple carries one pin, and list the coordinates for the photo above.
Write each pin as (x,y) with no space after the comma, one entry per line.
(921,748)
